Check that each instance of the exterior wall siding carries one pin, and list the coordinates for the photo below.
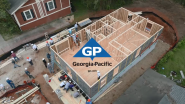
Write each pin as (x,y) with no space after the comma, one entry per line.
(94,90)
(36,10)
(84,86)
(47,19)
(52,58)
(65,3)
(43,8)
(110,76)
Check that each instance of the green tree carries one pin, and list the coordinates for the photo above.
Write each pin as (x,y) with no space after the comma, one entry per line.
(105,4)
(7,24)
(182,2)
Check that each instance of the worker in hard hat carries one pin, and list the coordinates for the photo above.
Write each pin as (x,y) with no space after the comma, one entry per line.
(77,40)
(51,41)
(62,84)
(70,32)
(35,48)
(66,87)
(50,68)
(49,57)
(10,82)
(28,73)
(74,41)
(76,26)
(48,45)
(76,94)
(29,60)
(44,61)
(14,56)
(15,65)
(2,87)
(98,73)
(89,101)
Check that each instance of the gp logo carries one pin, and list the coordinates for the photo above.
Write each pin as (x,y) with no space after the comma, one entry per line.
(92,49)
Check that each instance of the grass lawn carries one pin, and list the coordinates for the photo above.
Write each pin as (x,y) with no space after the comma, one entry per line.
(174,61)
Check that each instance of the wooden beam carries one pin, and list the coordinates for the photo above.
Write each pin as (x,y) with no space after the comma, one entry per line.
(122,46)
(118,49)
(140,34)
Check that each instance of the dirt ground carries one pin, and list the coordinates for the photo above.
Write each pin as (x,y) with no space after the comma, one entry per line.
(37,70)
(47,90)
(14,96)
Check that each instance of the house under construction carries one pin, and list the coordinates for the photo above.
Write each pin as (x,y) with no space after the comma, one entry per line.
(126,36)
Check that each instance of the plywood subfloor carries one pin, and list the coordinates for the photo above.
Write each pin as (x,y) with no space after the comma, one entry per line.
(89,77)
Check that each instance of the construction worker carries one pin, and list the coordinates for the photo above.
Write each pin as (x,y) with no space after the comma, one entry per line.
(49,57)
(51,41)
(67,86)
(29,60)
(14,56)
(2,87)
(10,82)
(44,61)
(50,68)
(76,26)
(48,45)
(62,84)
(77,40)
(63,77)
(74,41)
(71,87)
(28,73)
(15,65)
(70,31)
(88,101)
(76,94)
(35,48)
(98,73)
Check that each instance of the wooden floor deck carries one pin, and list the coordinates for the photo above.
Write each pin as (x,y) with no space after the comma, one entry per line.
(89,77)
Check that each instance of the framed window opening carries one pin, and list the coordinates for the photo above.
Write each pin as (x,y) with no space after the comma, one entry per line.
(103,81)
(156,37)
(148,27)
(57,59)
(116,70)
(51,5)
(28,14)
(138,51)
(69,71)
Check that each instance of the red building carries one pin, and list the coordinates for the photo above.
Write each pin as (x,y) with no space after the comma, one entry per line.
(32,13)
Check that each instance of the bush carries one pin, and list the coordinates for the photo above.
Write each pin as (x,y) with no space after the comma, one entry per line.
(7,24)
(182,2)
(105,4)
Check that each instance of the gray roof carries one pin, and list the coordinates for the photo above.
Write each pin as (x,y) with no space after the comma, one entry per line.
(165,100)
(176,96)
(15,5)
(150,88)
